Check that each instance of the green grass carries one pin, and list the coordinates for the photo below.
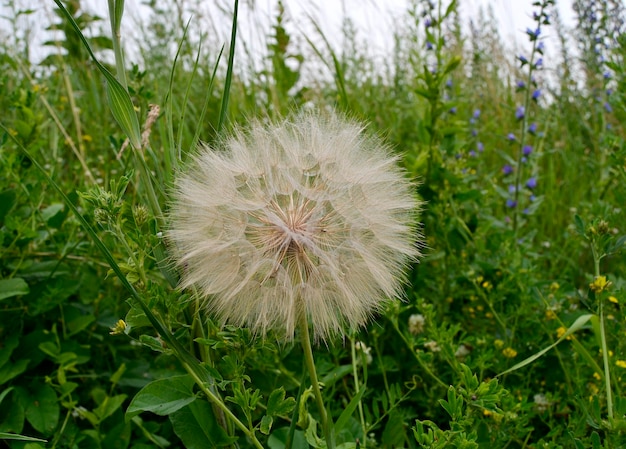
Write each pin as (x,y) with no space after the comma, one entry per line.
(82,247)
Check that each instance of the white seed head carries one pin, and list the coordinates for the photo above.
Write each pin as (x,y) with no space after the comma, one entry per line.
(305,216)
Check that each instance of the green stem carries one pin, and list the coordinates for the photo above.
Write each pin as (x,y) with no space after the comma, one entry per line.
(310,364)
(409,344)
(355,374)
(116,8)
(217,402)
(605,359)
(605,350)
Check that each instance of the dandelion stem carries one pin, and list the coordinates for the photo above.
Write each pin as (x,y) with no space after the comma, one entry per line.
(310,364)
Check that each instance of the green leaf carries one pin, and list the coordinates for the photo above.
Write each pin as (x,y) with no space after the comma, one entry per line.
(13,436)
(12,370)
(197,427)
(576,325)
(109,406)
(8,346)
(7,201)
(13,287)
(393,435)
(278,439)
(163,396)
(347,413)
(266,424)
(41,408)
(580,225)
(277,404)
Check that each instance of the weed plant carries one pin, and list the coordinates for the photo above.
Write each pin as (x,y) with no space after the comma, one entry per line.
(512,329)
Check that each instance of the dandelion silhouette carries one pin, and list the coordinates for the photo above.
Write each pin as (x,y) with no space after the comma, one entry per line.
(305,218)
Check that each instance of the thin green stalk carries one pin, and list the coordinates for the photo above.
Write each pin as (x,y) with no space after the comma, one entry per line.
(426,369)
(605,359)
(116,10)
(217,402)
(355,374)
(605,349)
(229,70)
(310,364)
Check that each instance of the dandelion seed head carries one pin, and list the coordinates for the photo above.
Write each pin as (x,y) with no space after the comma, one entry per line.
(309,216)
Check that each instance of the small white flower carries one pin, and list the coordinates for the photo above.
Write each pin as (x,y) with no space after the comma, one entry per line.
(309,216)
(432,346)
(362,347)
(542,403)
(416,323)
(462,352)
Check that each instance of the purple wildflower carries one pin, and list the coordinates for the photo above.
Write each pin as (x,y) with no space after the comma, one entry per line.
(541,47)
(531,183)
(527,150)
(429,45)
(519,113)
(520,84)
(539,63)
(511,203)
(476,114)
(507,169)
(511,137)
(523,59)
(480,147)
(607,107)
(536,94)
(452,110)
(472,153)
(532,129)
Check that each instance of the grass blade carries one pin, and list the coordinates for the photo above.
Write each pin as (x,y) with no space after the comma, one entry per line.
(576,325)
(229,71)
(119,100)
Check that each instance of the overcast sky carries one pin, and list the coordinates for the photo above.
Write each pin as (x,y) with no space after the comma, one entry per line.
(374,18)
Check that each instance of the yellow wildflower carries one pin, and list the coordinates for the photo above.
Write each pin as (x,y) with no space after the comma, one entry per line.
(509,353)
(119,328)
(613,299)
(561,331)
(621,363)
(599,284)
(498,343)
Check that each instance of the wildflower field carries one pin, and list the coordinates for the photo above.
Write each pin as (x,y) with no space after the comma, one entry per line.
(203,245)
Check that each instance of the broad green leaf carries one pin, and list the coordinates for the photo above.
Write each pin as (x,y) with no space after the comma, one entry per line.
(576,325)
(7,201)
(12,370)
(197,427)
(163,396)
(13,287)
(41,408)
(394,434)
